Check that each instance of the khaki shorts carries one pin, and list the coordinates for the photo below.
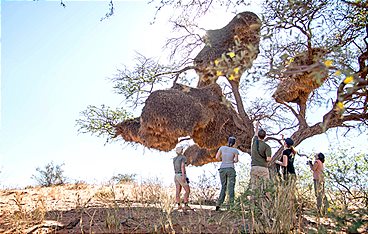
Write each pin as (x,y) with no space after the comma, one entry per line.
(179,180)
(258,175)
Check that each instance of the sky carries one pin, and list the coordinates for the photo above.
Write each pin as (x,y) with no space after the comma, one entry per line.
(55,62)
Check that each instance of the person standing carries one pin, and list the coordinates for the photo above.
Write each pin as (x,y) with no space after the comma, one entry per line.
(287,160)
(181,180)
(318,179)
(228,155)
(260,156)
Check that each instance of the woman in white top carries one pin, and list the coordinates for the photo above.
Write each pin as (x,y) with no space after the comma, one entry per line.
(228,155)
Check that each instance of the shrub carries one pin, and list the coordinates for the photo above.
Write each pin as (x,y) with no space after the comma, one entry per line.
(124,178)
(206,190)
(50,175)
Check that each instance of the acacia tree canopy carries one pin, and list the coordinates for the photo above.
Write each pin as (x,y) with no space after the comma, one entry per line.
(312,58)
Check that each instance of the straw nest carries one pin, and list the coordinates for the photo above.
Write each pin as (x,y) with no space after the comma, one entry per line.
(129,130)
(305,74)
(198,156)
(201,113)
(229,51)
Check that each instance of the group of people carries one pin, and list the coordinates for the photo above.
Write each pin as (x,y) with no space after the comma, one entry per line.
(261,156)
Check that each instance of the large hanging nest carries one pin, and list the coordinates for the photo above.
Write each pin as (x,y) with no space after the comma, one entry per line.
(305,74)
(201,113)
(229,51)
(197,156)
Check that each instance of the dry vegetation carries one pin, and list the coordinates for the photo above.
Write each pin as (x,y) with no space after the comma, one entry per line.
(149,208)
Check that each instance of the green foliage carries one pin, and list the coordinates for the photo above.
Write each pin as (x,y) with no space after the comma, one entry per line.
(50,175)
(346,172)
(137,83)
(271,209)
(101,121)
(124,178)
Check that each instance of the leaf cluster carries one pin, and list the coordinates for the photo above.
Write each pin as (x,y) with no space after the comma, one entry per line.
(101,121)
(347,173)
(137,83)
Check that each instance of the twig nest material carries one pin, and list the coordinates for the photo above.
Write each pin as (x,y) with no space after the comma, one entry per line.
(229,51)
(181,111)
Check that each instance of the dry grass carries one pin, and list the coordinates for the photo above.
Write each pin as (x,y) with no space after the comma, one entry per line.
(149,208)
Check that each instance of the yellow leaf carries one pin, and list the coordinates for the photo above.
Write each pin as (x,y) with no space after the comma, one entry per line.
(231,54)
(337,73)
(328,63)
(218,73)
(340,105)
(231,77)
(348,79)
(236,70)
(216,62)
(329,209)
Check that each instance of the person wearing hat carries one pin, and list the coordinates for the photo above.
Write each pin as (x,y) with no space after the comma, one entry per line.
(228,155)
(287,160)
(181,180)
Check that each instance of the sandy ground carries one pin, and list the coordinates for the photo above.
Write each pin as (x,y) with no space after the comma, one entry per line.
(101,209)
(126,208)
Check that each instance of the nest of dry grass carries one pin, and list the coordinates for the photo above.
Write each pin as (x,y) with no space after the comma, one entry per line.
(201,113)
(241,36)
(301,77)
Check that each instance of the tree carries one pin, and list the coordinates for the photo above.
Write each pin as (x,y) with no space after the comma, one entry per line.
(311,58)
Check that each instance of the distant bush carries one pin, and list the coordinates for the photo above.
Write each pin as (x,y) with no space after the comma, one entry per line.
(206,190)
(123,178)
(50,175)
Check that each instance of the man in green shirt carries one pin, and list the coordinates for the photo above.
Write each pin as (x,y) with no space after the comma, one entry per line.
(260,155)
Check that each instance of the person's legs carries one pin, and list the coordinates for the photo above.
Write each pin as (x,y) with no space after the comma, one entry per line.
(318,193)
(223,180)
(178,190)
(253,178)
(259,178)
(324,199)
(231,184)
(186,194)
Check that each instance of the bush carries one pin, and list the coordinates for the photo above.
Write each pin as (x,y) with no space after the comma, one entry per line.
(50,175)
(346,172)
(123,178)
(206,190)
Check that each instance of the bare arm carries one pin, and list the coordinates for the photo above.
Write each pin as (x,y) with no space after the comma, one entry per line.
(236,158)
(284,161)
(256,128)
(218,155)
(314,166)
(183,168)
(268,154)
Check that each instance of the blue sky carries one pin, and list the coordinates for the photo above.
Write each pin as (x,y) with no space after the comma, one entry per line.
(55,62)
